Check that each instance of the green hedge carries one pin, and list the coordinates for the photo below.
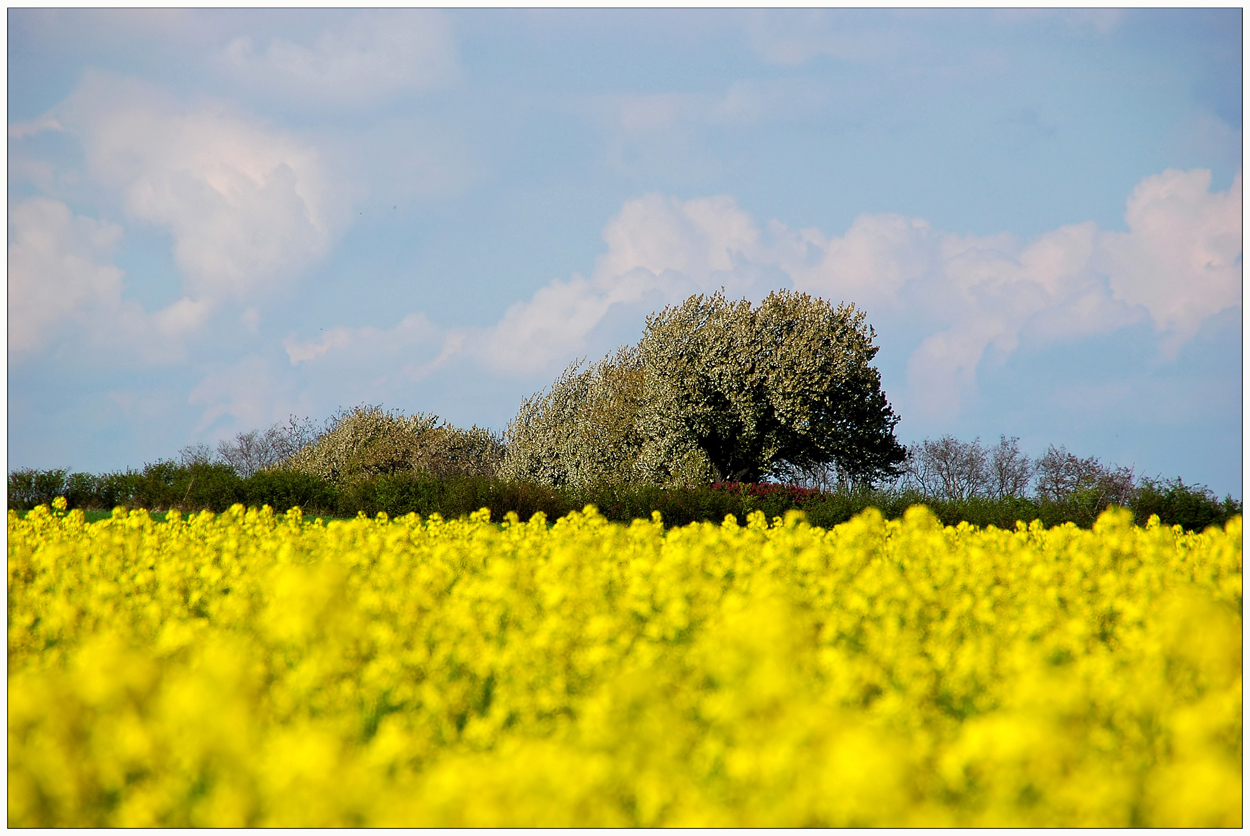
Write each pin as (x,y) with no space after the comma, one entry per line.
(216,487)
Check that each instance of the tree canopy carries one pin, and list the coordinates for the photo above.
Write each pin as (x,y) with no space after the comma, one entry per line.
(717,390)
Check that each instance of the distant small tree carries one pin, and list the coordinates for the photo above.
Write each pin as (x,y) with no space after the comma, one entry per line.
(947,468)
(1086,485)
(361,443)
(1010,470)
(255,450)
(370,441)
(196,454)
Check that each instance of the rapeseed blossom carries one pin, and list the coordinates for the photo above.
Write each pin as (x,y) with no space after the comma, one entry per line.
(255,669)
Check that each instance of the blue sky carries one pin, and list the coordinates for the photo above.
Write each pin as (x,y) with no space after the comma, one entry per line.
(218,218)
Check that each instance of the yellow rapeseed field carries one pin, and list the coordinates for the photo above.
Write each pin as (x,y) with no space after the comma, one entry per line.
(252,669)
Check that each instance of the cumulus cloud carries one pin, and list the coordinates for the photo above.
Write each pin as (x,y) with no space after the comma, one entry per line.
(376,56)
(956,302)
(1181,258)
(1180,263)
(967,294)
(701,238)
(247,208)
(61,274)
(963,300)
(247,391)
(247,205)
(59,266)
(660,251)
(377,359)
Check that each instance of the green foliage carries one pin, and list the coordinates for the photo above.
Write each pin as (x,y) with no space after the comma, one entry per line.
(584,430)
(451,497)
(29,487)
(194,488)
(1192,506)
(286,489)
(715,391)
(166,484)
(789,381)
(368,441)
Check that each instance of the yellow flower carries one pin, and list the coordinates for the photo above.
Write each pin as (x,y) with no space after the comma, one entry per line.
(251,669)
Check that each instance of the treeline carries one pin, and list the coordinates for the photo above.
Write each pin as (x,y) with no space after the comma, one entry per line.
(368,460)
(721,408)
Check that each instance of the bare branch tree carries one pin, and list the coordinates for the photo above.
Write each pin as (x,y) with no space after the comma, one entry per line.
(1088,483)
(256,450)
(194,454)
(1010,470)
(949,468)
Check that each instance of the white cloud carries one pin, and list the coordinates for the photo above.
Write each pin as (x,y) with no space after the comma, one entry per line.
(61,273)
(958,296)
(386,353)
(248,206)
(186,316)
(965,293)
(248,391)
(698,238)
(59,266)
(870,264)
(303,351)
(33,127)
(377,55)
(660,250)
(957,301)
(1181,258)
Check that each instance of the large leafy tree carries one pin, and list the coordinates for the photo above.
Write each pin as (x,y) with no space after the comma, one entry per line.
(788,382)
(717,390)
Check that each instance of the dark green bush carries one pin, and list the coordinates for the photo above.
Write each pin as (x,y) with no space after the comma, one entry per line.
(1192,506)
(202,486)
(29,487)
(215,487)
(81,490)
(286,489)
(526,499)
(451,497)
(112,490)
